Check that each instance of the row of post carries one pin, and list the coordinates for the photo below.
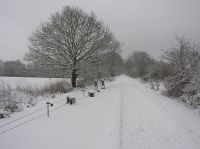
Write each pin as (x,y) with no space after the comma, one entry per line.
(96,84)
(73,100)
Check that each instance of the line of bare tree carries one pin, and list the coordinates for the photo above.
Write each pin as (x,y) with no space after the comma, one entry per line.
(178,71)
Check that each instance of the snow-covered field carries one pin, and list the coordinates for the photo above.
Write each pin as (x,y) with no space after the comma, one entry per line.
(124,115)
(29,81)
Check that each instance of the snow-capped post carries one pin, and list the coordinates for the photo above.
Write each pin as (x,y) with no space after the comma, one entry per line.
(48,103)
(102,84)
(91,93)
(83,90)
(96,85)
(70,100)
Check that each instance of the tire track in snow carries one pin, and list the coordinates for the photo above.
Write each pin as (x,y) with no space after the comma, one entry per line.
(121,116)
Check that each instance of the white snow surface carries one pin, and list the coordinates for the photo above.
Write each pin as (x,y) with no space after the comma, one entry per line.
(126,115)
(29,81)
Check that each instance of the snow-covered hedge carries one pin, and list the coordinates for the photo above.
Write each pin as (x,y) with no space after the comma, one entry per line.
(13,99)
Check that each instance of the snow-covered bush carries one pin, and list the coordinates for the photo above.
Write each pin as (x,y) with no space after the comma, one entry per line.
(4,114)
(33,91)
(8,100)
(13,99)
(184,58)
(193,87)
(50,88)
(184,81)
(191,92)
(175,85)
(57,87)
(193,101)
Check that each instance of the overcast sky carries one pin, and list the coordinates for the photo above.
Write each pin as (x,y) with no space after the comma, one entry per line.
(148,25)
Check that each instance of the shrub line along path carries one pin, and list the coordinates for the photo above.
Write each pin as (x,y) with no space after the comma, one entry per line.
(126,115)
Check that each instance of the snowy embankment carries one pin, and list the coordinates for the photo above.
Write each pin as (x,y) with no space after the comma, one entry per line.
(125,115)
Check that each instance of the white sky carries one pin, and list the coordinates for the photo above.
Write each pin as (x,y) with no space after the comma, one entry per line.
(148,25)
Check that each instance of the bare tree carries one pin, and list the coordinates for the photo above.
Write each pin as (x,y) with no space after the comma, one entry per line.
(179,55)
(113,63)
(69,41)
(138,62)
(185,60)
(105,65)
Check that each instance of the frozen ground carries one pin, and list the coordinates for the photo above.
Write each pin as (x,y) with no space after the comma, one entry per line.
(126,115)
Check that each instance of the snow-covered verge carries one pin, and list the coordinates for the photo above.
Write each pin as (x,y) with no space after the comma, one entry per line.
(92,123)
(191,102)
(17,93)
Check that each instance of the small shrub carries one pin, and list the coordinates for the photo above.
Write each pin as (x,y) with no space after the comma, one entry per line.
(57,87)
(51,88)
(4,114)
(8,98)
(193,101)
(11,108)
(31,102)
(29,90)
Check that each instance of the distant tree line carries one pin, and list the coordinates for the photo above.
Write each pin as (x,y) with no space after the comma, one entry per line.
(178,70)
(110,66)
(16,68)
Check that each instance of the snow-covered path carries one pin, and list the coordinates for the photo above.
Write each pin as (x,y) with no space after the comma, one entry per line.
(148,125)
(124,116)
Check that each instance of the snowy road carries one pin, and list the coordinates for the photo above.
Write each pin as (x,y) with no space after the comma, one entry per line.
(148,125)
(124,116)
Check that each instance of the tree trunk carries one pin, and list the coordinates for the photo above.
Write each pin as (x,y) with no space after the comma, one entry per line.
(73,79)
(74,75)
